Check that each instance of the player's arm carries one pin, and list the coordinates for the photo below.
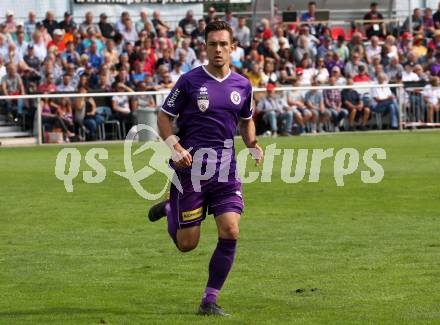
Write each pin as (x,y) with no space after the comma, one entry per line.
(247,131)
(165,126)
(173,105)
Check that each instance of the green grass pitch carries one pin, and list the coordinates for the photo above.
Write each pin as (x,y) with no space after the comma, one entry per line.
(309,253)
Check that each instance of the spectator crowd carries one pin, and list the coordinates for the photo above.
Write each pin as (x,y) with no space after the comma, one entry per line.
(145,54)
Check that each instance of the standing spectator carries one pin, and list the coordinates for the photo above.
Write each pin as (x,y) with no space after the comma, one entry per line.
(310,16)
(385,101)
(105,27)
(314,101)
(30,25)
(141,23)
(188,24)
(88,23)
(333,101)
(351,101)
(49,22)
(275,109)
(68,22)
(373,27)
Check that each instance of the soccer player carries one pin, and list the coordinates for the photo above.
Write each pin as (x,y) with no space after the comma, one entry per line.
(208,102)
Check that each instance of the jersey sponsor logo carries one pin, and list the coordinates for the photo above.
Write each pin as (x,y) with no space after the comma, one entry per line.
(203,99)
(172,100)
(192,215)
(235,97)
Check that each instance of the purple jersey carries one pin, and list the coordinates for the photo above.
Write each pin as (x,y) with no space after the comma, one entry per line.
(208,109)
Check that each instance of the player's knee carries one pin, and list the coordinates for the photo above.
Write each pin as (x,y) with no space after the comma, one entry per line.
(230,231)
(186,245)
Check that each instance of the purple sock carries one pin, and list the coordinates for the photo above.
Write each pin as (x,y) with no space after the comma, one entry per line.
(219,267)
(172,223)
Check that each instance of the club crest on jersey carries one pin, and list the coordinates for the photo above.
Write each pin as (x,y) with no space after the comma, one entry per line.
(203,99)
(235,97)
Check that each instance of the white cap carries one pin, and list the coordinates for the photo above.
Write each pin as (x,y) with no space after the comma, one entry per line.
(58,32)
(9,13)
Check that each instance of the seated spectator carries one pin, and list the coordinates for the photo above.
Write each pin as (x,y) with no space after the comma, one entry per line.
(314,101)
(372,50)
(158,23)
(341,49)
(107,29)
(230,19)
(201,60)
(121,104)
(325,47)
(95,59)
(66,85)
(295,100)
(48,86)
(340,80)
(308,72)
(49,23)
(237,56)
(418,47)
(88,23)
(334,61)
(362,76)
(177,72)
(322,75)
(418,69)
(211,15)
(333,102)
(275,109)
(408,74)
(30,25)
(137,75)
(51,118)
(143,101)
(57,41)
(352,66)
(242,33)
(67,22)
(302,49)
(254,74)
(188,24)
(31,60)
(405,45)
(394,71)
(12,85)
(416,21)
(286,72)
(141,23)
(128,32)
(385,102)
(85,114)
(269,75)
(353,103)
(190,56)
(431,96)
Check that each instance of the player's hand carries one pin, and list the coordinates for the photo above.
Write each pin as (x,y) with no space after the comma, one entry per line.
(181,157)
(257,154)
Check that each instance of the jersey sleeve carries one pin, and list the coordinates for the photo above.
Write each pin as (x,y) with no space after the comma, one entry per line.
(247,109)
(176,100)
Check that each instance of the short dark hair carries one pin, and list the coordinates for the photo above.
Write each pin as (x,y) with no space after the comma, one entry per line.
(218,25)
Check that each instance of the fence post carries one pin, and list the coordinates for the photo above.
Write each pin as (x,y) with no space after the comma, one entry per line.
(401,106)
(39,122)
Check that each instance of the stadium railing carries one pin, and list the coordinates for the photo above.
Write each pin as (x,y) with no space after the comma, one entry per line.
(407,106)
(415,110)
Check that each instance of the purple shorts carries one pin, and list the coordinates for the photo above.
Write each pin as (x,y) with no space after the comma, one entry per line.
(190,207)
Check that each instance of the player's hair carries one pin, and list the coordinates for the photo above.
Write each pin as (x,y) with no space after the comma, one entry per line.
(218,25)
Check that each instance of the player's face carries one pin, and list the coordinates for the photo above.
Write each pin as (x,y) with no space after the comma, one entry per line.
(219,48)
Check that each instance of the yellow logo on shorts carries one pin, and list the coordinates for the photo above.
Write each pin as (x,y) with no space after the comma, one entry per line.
(192,215)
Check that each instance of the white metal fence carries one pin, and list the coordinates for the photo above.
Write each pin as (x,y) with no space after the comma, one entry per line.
(412,106)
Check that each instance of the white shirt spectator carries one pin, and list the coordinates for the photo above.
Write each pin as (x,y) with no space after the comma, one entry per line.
(243,36)
(175,75)
(122,102)
(409,76)
(40,51)
(372,52)
(198,63)
(381,93)
(190,55)
(130,35)
(432,95)
(4,50)
(21,49)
